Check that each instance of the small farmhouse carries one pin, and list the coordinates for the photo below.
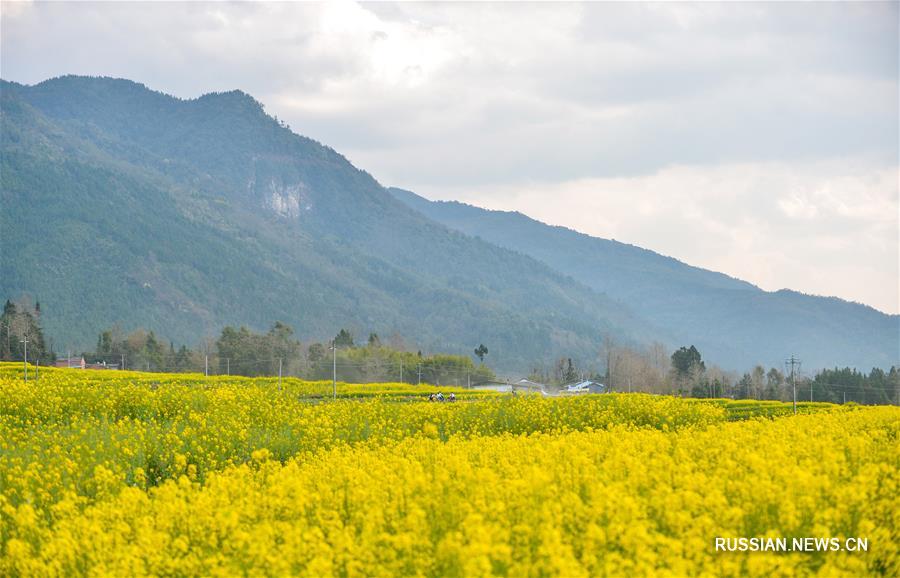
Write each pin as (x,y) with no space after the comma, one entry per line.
(587,386)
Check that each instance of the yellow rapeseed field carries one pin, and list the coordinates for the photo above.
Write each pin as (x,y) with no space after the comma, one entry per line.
(129,474)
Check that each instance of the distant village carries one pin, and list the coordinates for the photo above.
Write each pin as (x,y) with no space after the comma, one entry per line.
(524,386)
(79,363)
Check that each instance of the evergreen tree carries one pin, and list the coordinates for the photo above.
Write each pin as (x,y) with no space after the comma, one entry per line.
(343,339)
(686,360)
(17,324)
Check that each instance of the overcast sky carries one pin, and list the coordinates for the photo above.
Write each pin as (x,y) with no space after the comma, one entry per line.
(757,139)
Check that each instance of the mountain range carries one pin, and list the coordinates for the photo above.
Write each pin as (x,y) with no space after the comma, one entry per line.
(123,205)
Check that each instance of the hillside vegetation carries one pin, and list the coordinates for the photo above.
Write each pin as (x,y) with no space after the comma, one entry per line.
(125,205)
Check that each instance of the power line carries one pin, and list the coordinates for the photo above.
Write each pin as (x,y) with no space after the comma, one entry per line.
(793,361)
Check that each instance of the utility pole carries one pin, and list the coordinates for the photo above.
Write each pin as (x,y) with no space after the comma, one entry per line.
(206,365)
(845,398)
(333,369)
(401,370)
(419,371)
(468,380)
(25,360)
(123,362)
(794,361)
(227,366)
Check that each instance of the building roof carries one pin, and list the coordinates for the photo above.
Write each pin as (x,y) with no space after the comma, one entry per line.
(586,385)
(530,384)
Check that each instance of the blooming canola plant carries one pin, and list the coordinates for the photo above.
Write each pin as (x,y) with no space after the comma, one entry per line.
(119,473)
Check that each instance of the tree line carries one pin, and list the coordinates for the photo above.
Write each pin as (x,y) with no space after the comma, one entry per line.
(623,368)
(242,351)
(684,373)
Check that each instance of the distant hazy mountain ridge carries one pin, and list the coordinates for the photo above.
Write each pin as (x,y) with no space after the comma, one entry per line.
(732,322)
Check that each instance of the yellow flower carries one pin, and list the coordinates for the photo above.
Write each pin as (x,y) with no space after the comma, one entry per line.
(120,473)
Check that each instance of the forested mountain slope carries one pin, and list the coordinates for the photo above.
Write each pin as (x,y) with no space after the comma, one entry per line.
(125,205)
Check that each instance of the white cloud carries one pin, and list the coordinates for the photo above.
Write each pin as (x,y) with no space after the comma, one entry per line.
(752,138)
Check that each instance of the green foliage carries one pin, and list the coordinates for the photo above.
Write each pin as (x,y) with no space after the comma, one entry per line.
(686,361)
(713,388)
(568,373)
(141,350)
(379,363)
(242,352)
(343,339)
(837,385)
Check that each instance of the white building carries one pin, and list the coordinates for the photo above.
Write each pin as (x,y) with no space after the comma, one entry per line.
(587,386)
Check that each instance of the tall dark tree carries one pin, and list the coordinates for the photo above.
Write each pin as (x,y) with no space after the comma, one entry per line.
(240,352)
(745,387)
(183,360)
(571,374)
(774,383)
(281,346)
(564,371)
(6,346)
(687,360)
(154,353)
(315,354)
(480,352)
(343,339)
